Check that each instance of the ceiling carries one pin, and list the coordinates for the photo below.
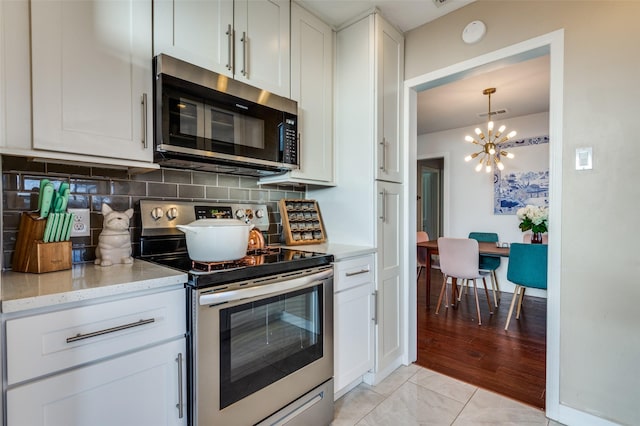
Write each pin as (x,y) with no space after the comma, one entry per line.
(404,14)
(522,86)
(521,89)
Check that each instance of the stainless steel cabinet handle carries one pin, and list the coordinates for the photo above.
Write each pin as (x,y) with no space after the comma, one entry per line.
(179,405)
(375,307)
(383,165)
(80,336)
(243,40)
(362,271)
(383,209)
(229,34)
(144,120)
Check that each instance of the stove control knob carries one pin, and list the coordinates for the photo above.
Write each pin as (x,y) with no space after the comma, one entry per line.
(259,213)
(239,213)
(157,213)
(172,213)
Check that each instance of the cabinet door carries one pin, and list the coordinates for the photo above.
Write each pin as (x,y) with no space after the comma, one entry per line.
(15,79)
(312,88)
(262,44)
(353,334)
(197,31)
(389,272)
(141,388)
(390,75)
(91,76)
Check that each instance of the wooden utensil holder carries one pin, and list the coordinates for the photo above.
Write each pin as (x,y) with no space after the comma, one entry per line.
(32,254)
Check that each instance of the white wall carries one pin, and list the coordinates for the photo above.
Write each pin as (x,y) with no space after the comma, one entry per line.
(598,249)
(471,193)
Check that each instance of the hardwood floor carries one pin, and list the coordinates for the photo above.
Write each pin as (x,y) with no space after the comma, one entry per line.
(511,363)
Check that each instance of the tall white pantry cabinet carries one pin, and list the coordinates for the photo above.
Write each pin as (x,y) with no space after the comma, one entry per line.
(365,207)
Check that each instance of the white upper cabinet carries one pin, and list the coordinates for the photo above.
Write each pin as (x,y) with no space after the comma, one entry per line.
(244,39)
(312,87)
(197,31)
(15,76)
(389,77)
(3,133)
(92,77)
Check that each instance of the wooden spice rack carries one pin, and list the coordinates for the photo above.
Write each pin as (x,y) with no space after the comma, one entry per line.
(32,254)
(301,222)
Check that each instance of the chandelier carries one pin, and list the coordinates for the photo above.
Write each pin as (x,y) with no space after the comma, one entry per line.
(490,152)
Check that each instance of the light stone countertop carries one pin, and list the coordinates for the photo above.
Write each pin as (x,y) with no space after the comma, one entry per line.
(23,291)
(339,251)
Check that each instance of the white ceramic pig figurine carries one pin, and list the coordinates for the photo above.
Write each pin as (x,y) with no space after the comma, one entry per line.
(114,242)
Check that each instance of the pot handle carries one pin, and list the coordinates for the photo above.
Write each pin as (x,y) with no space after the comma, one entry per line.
(185,228)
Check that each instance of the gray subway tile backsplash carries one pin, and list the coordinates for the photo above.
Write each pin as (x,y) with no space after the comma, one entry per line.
(90,187)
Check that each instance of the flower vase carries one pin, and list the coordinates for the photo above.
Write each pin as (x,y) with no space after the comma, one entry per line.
(536,238)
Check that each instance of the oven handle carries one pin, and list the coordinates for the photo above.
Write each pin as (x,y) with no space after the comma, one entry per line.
(262,290)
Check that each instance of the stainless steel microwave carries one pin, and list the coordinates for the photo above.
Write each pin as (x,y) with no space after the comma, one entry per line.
(207,121)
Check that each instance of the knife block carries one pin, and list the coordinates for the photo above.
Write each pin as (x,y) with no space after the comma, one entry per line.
(32,254)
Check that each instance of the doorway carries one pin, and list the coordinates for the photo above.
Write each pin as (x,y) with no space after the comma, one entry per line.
(552,43)
(429,199)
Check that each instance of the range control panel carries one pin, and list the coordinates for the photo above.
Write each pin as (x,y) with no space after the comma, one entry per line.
(160,217)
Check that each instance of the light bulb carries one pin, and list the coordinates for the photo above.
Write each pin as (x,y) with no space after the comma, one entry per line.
(468,158)
(501,129)
(500,165)
(488,169)
(478,131)
(512,134)
(492,151)
(490,125)
(469,139)
(510,155)
(479,167)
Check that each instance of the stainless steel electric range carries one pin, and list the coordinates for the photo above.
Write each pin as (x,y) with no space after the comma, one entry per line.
(260,329)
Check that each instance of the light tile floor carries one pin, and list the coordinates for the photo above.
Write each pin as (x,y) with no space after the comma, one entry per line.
(413,395)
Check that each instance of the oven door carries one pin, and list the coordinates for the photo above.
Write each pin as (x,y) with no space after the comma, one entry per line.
(258,348)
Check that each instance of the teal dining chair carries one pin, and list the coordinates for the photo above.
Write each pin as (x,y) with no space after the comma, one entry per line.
(527,269)
(488,263)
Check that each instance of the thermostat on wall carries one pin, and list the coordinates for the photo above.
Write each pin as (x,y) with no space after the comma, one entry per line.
(473,32)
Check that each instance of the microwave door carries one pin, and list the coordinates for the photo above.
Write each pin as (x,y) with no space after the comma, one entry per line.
(221,130)
(186,122)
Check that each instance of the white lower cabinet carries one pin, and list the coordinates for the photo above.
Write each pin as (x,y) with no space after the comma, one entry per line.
(141,388)
(112,362)
(354,316)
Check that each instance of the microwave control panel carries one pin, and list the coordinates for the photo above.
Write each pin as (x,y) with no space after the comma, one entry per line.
(289,140)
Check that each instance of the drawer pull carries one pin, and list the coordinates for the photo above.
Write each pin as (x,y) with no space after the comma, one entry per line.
(362,271)
(80,336)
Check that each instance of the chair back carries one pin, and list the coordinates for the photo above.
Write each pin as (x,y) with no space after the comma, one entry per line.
(421,237)
(459,257)
(528,265)
(487,262)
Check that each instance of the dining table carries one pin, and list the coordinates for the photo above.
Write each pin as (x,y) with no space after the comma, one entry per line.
(431,246)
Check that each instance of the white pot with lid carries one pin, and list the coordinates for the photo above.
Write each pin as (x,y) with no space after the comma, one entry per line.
(216,240)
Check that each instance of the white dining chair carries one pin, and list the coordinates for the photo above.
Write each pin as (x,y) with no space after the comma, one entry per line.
(459,259)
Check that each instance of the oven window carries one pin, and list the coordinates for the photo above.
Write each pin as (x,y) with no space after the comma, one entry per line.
(263,341)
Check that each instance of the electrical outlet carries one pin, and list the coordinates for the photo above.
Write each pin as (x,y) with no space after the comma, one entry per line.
(81,222)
